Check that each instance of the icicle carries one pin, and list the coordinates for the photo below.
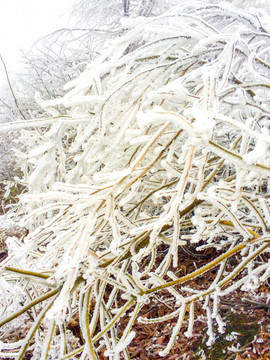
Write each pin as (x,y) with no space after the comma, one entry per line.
(189,331)
(176,235)
(175,332)
(121,346)
(210,331)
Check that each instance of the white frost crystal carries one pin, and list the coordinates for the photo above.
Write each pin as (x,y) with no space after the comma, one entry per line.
(159,148)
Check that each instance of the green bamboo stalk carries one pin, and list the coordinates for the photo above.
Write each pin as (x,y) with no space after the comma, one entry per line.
(27,272)
(101,333)
(85,319)
(29,306)
(232,275)
(33,330)
(48,341)
(204,268)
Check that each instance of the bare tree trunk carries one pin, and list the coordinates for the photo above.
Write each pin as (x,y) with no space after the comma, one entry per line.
(126,7)
(146,7)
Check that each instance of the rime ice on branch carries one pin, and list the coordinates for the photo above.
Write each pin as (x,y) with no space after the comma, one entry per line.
(165,145)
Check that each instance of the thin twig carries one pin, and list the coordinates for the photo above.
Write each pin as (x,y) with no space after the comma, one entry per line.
(10,87)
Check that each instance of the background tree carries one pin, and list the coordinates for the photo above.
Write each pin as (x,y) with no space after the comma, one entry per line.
(59,57)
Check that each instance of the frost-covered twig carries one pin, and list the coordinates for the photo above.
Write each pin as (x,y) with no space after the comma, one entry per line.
(163,144)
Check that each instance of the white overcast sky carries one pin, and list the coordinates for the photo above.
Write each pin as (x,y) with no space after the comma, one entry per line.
(22,22)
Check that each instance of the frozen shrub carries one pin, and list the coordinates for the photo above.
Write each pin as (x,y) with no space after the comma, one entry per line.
(165,142)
